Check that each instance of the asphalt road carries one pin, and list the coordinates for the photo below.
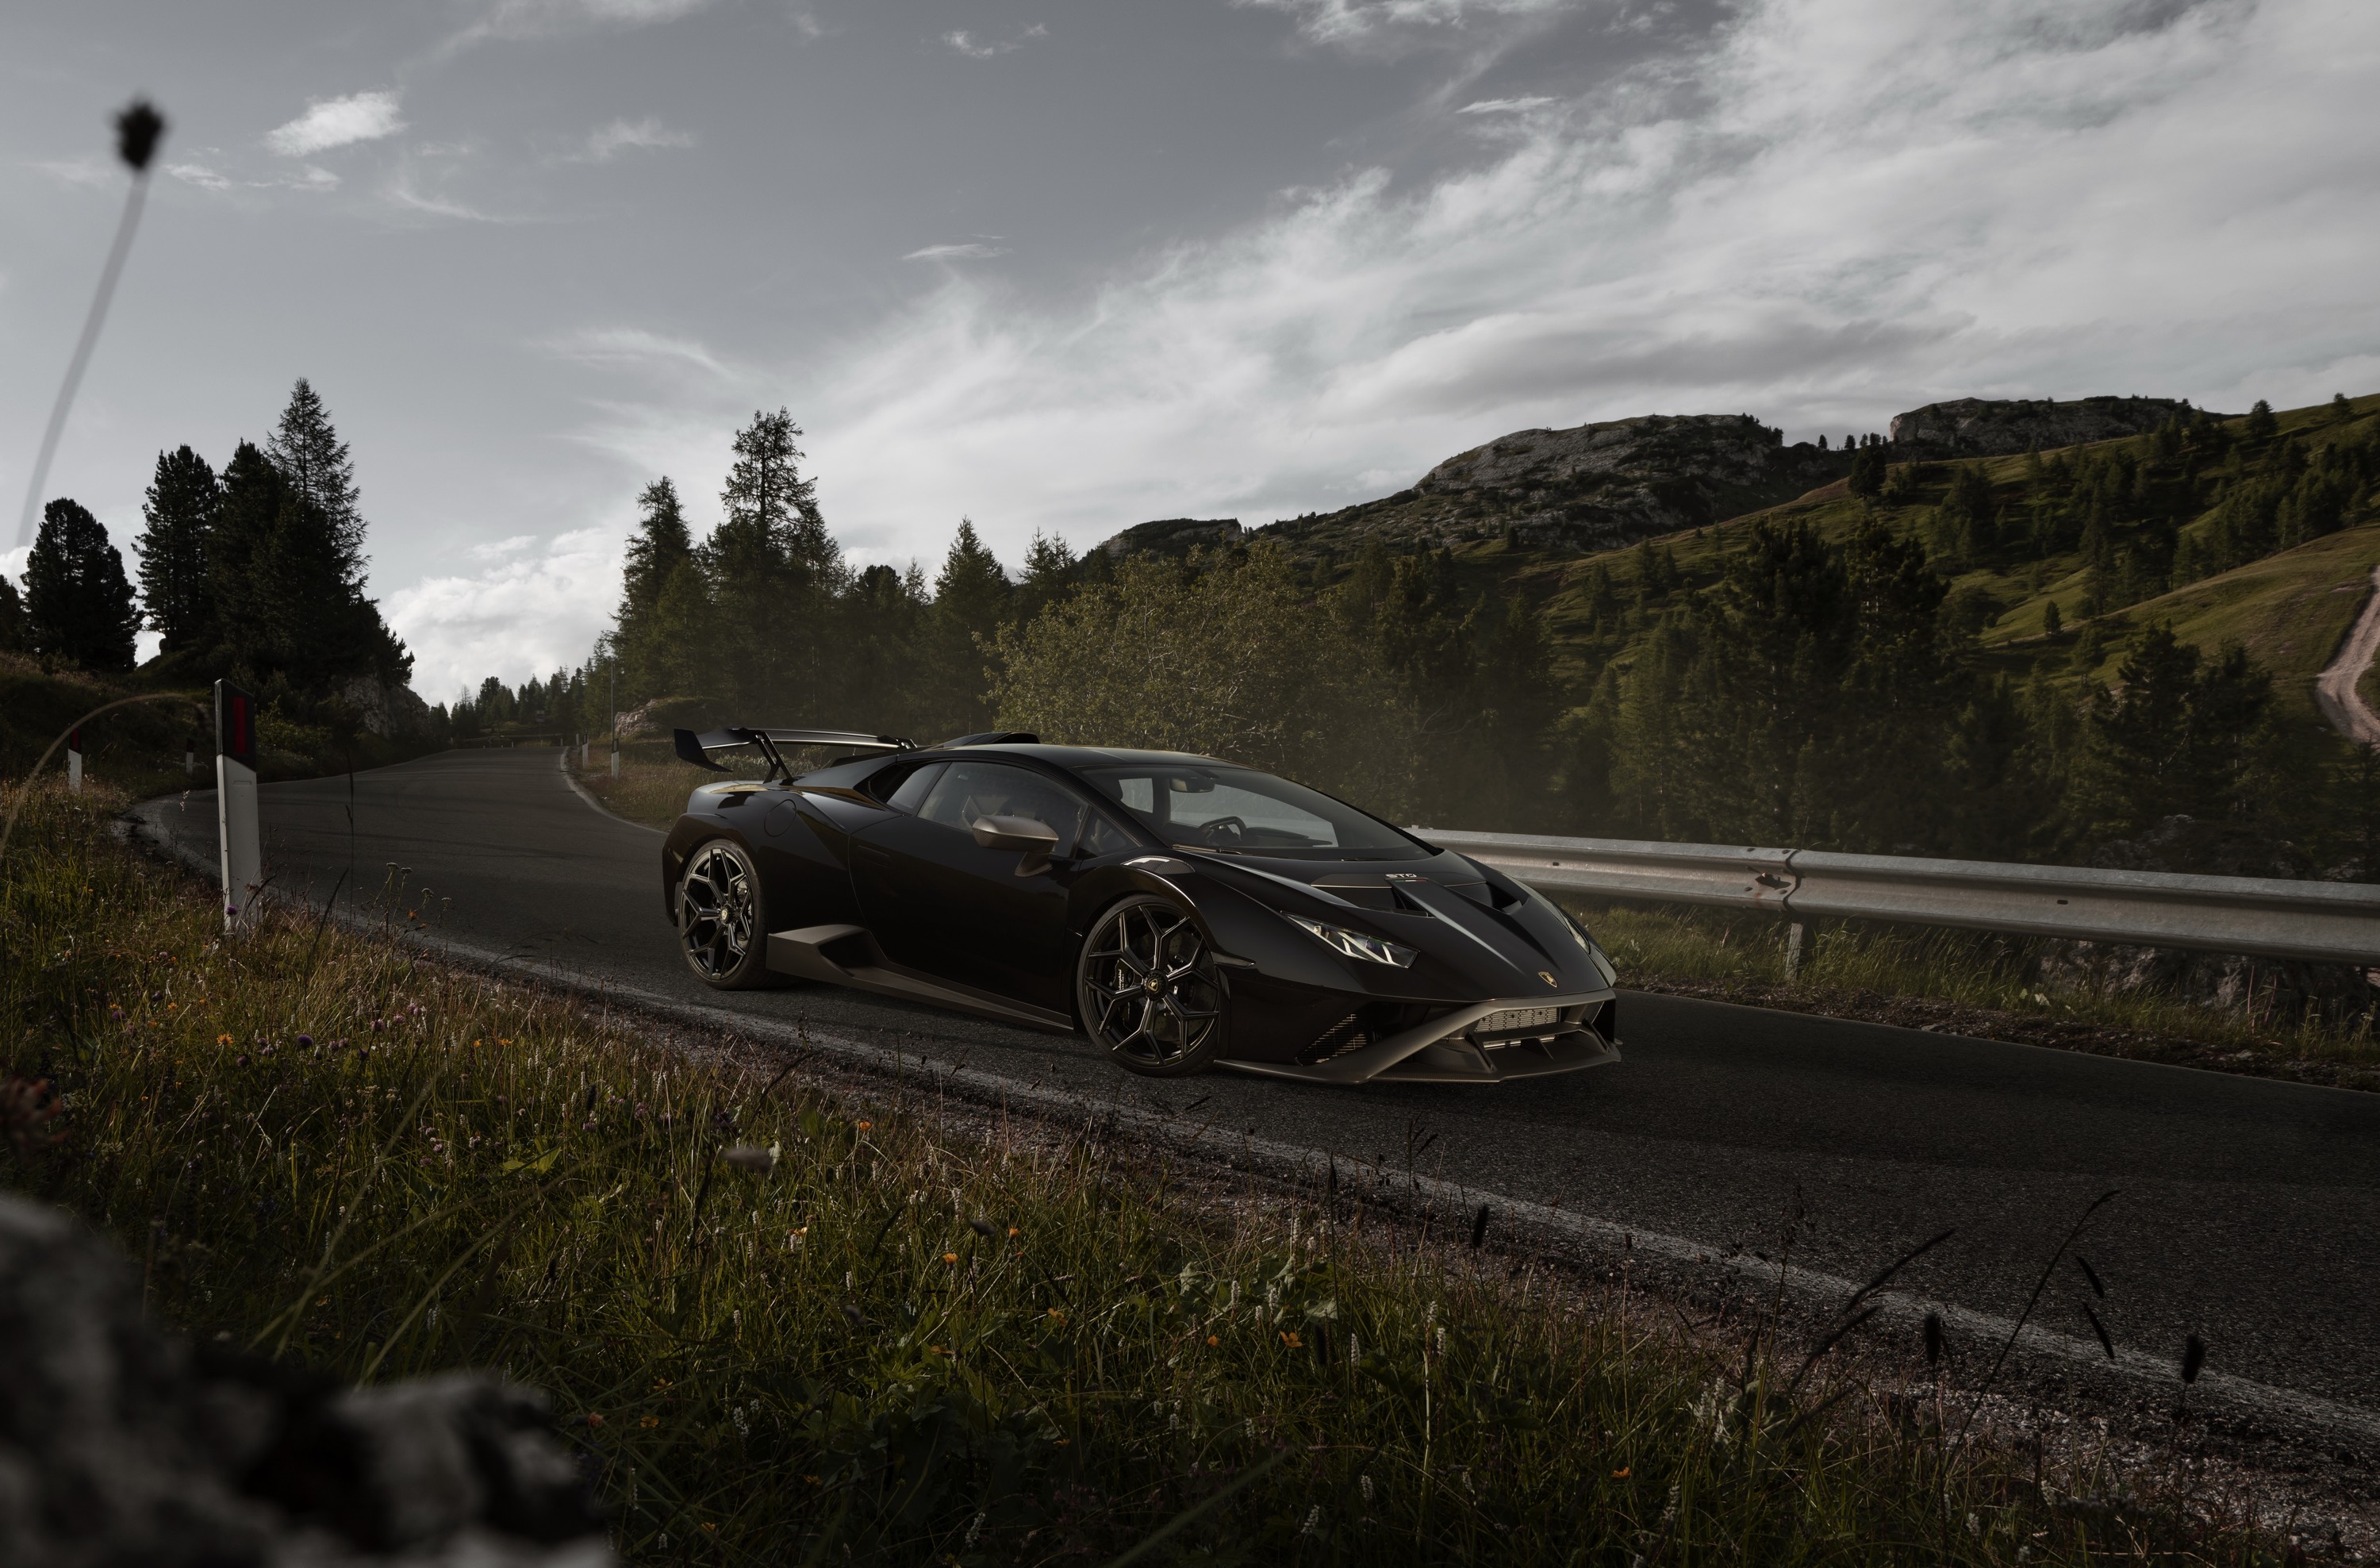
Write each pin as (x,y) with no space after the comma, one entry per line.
(2250,1210)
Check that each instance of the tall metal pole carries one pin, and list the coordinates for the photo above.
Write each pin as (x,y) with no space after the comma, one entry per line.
(615,712)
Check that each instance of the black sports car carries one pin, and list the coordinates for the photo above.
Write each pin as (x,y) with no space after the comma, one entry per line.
(1182,912)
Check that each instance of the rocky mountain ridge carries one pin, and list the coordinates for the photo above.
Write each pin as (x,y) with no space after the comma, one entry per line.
(1607,484)
(1976,426)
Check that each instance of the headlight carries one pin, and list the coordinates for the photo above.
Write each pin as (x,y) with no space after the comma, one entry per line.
(1595,954)
(1356,944)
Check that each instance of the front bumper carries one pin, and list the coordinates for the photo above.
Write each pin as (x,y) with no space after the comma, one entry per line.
(1460,1046)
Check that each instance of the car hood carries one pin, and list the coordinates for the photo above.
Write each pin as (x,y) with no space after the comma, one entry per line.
(1475,931)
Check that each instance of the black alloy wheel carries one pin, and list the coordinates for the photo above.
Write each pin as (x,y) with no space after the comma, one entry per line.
(720,928)
(1147,989)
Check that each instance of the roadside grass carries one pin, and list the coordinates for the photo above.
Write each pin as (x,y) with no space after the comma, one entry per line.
(1864,969)
(652,785)
(783,1328)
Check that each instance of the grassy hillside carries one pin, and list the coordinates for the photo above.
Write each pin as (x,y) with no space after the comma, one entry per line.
(2290,607)
(139,748)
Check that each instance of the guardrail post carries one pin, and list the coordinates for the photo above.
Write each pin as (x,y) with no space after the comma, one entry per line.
(73,760)
(1793,952)
(242,846)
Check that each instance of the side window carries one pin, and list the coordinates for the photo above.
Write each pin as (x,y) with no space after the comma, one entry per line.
(968,790)
(911,791)
(1101,836)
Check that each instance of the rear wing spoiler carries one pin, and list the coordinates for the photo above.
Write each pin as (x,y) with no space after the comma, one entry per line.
(769,742)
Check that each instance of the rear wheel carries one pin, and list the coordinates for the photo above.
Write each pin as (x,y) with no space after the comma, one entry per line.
(721,925)
(1147,989)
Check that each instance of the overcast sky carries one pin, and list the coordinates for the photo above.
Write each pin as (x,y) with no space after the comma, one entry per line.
(1067,265)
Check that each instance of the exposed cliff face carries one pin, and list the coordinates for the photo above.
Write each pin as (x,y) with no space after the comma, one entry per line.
(1976,427)
(1174,536)
(1594,487)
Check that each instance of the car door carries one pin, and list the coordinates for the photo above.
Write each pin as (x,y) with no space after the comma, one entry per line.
(942,904)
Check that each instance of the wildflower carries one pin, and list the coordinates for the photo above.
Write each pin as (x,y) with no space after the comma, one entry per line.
(593,1419)
(1313,1519)
(502,1041)
(307,1040)
(223,1039)
(1056,1316)
(865,1125)
(1290,1339)
(1014,1232)
(650,1422)
(1366,1482)
(1214,1340)
(1623,1472)
(708,1526)
(950,1257)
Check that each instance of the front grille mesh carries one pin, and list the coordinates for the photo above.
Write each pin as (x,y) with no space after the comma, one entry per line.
(1347,1034)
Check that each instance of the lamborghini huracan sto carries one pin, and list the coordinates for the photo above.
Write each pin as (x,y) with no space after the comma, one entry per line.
(1183,913)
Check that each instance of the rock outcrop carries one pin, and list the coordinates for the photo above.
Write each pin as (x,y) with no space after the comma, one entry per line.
(1976,426)
(386,707)
(122,1445)
(1174,536)
(1594,487)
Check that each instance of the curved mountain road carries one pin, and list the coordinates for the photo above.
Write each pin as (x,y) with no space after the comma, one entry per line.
(2335,690)
(2249,1209)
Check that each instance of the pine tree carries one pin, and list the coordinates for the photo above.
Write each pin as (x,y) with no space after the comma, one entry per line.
(310,455)
(14,634)
(2262,425)
(173,586)
(774,569)
(659,547)
(78,601)
(971,597)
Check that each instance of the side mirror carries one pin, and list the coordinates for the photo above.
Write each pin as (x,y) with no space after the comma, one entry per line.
(1033,839)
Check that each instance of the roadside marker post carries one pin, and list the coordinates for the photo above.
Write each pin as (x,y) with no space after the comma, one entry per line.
(73,760)
(236,758)
(190,756)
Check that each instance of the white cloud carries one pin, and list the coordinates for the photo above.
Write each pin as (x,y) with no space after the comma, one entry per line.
(1505,106)
(88,170)
(525,612)
(198,174)
(337,122)
(976,48)
(636,348)
(546,19)
(1366,24)
(607,142)
(970,251)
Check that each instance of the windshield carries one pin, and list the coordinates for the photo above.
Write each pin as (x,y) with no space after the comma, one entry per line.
(1206,806)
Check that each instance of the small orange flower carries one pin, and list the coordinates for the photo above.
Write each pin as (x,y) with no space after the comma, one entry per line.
(1623,1472)
(223,1039)
(950,1257)
(865,1125)
(650,1422)
(1214,1340)
(593,1419)
(1056,1316)
(1291,1340)
(1014,1232)
(502,1041)
(708,1526)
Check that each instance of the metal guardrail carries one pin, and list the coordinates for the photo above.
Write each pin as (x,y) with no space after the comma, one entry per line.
(2270,918)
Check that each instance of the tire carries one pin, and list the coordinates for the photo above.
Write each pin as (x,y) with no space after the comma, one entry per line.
(723,931)
(1146,988)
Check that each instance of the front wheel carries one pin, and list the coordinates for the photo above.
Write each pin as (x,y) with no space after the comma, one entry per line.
(1147,989)
(721,928)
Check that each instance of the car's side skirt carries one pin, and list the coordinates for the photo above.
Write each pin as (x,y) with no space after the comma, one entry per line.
(848,956)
